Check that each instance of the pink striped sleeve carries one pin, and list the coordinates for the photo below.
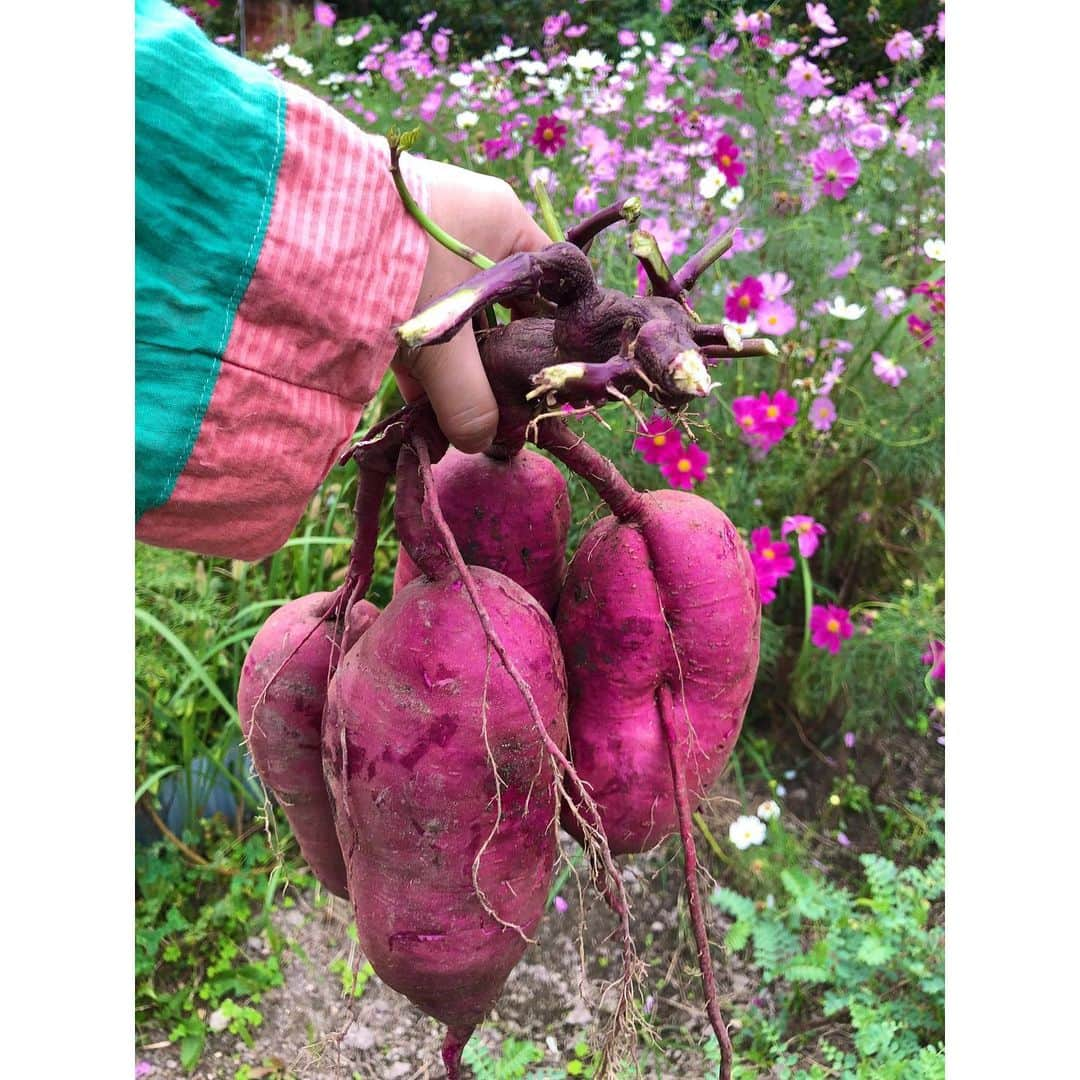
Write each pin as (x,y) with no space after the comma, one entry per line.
(340,266)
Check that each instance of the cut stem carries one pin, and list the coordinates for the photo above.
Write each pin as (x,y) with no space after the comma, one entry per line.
(584,232)
(687,274)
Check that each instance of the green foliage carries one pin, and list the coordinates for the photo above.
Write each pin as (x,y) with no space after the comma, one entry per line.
(872,963)
(192,928)
(515,1056)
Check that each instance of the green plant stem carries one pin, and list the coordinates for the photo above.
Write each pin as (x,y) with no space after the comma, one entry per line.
(706,832)
(449,242)
(547,212)
(808,601)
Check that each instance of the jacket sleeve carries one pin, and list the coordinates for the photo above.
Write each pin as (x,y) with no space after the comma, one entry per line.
(273,257)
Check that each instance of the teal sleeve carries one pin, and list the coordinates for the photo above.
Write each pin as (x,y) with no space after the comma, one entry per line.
(209,139)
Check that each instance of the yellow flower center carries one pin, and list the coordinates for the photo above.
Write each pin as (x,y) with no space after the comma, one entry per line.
(772,412)
(832,626)
(747,421)
(823,411)
(830,174)
(659,440)
(768,553)
(744,301)
(804,526)
(725,159)
(548,135)
(684,465)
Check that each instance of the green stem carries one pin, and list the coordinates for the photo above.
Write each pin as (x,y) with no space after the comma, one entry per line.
(808,600)
(714,844)
(547,212)
(403,142)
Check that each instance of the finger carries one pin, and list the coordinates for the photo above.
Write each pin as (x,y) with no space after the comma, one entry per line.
(453,378)
(410,389)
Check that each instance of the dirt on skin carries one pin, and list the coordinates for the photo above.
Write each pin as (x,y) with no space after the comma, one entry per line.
(311,1031)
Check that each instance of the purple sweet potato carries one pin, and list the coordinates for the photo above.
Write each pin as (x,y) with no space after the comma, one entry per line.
(510,515)
(280,700)
(668,601)
(448,867)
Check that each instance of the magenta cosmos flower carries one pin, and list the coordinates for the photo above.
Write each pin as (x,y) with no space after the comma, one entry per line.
(778,413)
(743,299)
(829,625)
(935,657)
(658,440)
(772,561)
(834,170)
(921,330)
(324,15)
(822,413)
(725,155)
(807,531)
(685,467)
(549,135)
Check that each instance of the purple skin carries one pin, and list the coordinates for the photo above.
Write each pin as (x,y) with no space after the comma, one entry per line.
(280,700)
(618,645)
(508,515)
(417,794)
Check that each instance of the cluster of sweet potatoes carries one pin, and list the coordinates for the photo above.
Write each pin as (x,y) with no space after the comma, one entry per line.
(426,755)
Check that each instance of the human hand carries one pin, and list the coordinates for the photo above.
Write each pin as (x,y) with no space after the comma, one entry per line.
(484,213)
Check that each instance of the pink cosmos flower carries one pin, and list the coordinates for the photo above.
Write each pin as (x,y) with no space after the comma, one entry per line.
(772,561)
(842,839)
(685,467)
(549,136)
(555,24)
(440,44)
(806,529)
(324,15)
(819,16)
(658,440)
(834,170)
(743,299)
(888,371)
(869,136)
(829,626)
(903,45)
(806,79)
(935,656)
(773,286)
(822,413)
(922,330)
(889,301)
(725,155)
(586,201)
(846,265)
(776,318)
(849,739)
(626,38)
(747,415)
(934,291)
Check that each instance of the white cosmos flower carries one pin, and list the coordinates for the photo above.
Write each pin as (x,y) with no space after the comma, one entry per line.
(711,182)
(732,198)
(466,119)
(343,40)
(768,810)
(460,79)
(647,39)
(843,310)
(559,86)
(816,107)
(533,67)
(585,60)
(747,831)
(935,249)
